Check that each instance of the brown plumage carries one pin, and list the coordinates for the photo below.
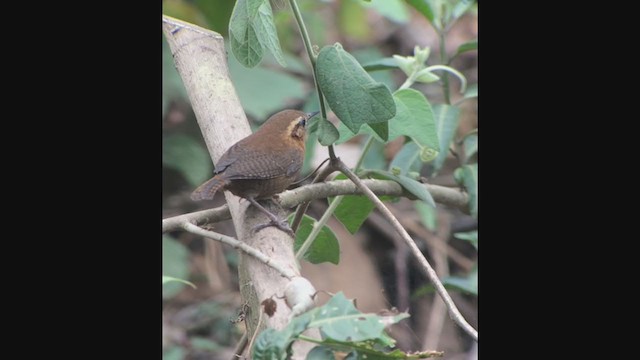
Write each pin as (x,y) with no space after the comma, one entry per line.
(263,164)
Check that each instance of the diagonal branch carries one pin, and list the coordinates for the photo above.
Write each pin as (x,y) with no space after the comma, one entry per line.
(236,244)
(431,274)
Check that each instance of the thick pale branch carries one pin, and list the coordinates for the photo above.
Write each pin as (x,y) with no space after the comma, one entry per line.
(291,198)
(236,244)
(431,274)
(201,60)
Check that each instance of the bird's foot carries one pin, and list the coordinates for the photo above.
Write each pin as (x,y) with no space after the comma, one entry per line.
(280,224)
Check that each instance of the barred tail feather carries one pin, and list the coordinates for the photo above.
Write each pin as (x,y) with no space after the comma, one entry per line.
(207,190)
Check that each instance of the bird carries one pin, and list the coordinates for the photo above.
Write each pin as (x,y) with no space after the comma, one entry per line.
(262,164)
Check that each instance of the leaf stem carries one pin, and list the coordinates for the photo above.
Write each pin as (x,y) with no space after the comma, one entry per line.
(463,80)
(407,83)
(365,149)
(317,227)
(312,57)
(443,60)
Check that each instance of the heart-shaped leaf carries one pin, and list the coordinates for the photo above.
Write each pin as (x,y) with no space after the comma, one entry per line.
(446,119)
(351,92)
(325,247)
(251,30)
(327,132)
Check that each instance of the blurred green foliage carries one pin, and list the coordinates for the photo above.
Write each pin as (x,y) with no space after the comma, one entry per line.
(175,264)
(268,87)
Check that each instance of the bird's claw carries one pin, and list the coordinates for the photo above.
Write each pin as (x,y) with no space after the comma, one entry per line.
(280,224)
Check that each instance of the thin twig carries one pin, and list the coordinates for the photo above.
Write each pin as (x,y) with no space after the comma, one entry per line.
(302,208)
(317,227)
(255,333)
(291,198)
(438,310)
(257,254)
(455,255)
(431,274)
(242,344)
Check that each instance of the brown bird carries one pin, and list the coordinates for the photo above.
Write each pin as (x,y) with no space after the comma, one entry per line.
(263,164)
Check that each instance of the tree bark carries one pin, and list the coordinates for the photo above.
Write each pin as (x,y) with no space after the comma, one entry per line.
(200,57)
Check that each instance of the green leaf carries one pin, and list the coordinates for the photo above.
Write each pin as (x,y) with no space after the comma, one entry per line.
(352,20)
(184,154)
(217,13)
(381,129)
(423,7)
(320,353)
(244,41)
(470,181)
(393,10)
(272,344)
(174,353)
(471,236)
(416,188)
(352,94)
(346,134)
(414,118)
(426,76)
(468,284)
(408,64)
(472,91)
(374,158)
(353,211)
(428,215)
(460,8)
(407,159)
(342,325)
(468,46)
(174,264)
(446,120)
(168,279)
(387,63)
(204,344)
(470,144)
(369,54)
(327,132)
(251,30)
(339,320)
(370,350)
(325,247)
(263,91)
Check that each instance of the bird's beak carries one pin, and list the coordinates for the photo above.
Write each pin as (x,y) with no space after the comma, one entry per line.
(312,114)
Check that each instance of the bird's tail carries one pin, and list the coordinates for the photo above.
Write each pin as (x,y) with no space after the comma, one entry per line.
(207,190)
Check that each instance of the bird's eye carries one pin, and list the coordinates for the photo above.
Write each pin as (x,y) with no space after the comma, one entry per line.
(302,122)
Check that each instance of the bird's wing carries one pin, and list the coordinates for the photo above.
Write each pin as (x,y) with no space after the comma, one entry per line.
(254,164)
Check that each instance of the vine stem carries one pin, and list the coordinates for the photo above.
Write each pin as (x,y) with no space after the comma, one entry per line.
(312,57)
(443,60)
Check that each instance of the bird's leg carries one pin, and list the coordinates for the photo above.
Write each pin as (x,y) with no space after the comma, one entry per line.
(280,224)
